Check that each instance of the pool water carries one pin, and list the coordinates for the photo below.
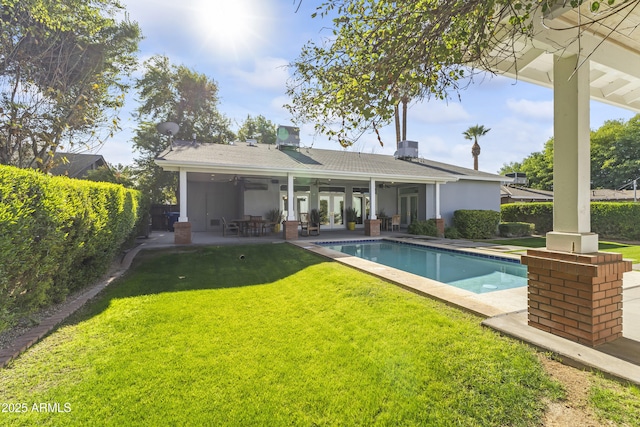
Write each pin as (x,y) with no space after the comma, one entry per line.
(475,273)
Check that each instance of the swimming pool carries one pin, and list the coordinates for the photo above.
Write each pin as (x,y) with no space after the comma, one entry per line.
(475,273)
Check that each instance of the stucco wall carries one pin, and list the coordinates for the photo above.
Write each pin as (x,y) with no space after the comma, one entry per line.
(207,201)
(387,200)
(468,195)
(259,202)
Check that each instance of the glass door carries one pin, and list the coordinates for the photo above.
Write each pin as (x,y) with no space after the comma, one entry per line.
(408,208)
(332,210)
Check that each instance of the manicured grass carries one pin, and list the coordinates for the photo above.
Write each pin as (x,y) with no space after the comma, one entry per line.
(628,251)
(614,402)
(281,337)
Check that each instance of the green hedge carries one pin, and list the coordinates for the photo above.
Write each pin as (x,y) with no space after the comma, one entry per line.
(515,229)
(476,224)
(613,220)
(423,228)
(539,214)
(616,220)
(58,234)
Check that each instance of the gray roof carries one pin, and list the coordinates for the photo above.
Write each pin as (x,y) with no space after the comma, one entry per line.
(526,194)
(530,194)
(75,165)
(267,160)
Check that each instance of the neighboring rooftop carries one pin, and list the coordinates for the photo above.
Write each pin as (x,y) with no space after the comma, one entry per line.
(514,194)
(76,165)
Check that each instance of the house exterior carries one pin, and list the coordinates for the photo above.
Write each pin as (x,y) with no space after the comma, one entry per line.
(251,179)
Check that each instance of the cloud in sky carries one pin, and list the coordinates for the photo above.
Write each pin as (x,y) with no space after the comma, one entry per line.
(537,110)
(267,73)
(438,112)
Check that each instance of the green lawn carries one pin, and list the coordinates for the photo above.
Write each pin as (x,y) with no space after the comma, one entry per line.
(281,337)
(628,251)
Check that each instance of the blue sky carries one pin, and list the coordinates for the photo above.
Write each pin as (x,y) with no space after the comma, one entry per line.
(244,45)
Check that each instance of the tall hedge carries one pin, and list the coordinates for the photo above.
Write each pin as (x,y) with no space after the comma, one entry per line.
(540,214)
(58,234)
(613,220)
(476,224)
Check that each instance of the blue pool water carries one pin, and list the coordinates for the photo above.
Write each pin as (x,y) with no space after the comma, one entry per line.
(475,273)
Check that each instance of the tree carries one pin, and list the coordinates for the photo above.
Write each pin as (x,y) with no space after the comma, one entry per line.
(538,166)
(63,69)
(382,52)
(472,134)
(116,174)
(259,128)
(173,93)
(616,153)
(615,157)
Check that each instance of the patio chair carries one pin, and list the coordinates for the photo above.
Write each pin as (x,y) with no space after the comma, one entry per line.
(232,226)
(313,229)
(256,225)
(304,224)
(395,221)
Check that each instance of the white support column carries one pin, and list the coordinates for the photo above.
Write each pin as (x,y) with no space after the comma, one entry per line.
(183,196)
(372,202)
(438,216)
(571,159)
(291,214)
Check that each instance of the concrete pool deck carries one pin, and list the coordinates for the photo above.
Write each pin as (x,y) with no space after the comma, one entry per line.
(504,311)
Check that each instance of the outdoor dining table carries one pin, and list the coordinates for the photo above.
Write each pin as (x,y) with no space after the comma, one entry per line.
(245,225)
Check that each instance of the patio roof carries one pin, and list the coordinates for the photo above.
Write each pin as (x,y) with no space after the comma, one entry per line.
(609,39)
(268,160)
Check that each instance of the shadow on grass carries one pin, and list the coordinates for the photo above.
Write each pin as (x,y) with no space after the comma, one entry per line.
(188,269)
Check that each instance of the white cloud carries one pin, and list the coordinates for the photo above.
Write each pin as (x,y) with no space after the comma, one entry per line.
(267,73)
(537,110)
(438,112)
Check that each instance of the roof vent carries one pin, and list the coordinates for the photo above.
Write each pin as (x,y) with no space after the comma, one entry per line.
(288,137)
(519,178)
(407,150)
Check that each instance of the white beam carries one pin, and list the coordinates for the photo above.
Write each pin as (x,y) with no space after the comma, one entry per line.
(291,214)
(372,202)
(183,196)
(571,159)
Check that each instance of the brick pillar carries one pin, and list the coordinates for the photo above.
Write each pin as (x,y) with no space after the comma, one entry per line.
(182,233)
(371,227)
(290,230)
(576,296)
(440,227)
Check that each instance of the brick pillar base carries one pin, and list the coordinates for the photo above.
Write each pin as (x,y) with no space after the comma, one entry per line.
(182,233)
(290,230)
(576,296)
(440,227)
(371,227)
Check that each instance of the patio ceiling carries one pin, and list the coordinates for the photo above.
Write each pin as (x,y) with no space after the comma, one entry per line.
(610,40)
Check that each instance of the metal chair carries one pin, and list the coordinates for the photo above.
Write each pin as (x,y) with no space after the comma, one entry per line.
(232,226)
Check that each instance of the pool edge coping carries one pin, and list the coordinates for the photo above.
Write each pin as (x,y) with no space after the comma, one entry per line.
(448,294)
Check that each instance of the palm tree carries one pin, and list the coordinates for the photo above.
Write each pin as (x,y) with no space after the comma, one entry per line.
(472,134)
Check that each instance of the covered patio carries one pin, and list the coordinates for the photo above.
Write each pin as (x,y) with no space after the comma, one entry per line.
(574,291)
(249,179)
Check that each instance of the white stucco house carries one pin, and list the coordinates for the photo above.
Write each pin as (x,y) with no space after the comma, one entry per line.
(250,179)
